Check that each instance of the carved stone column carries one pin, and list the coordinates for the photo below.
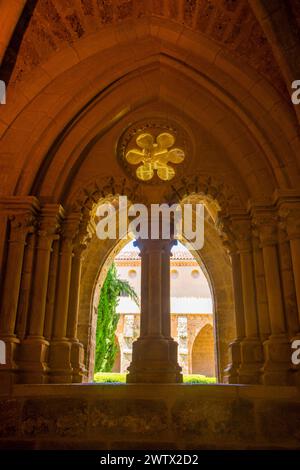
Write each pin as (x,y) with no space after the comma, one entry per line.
(154,354)
(251,346)
(277,367)
(290,217)
(77,349)
(261,291)
(60,349)
(33,357)
(231,372)
(22,216)
(288,285)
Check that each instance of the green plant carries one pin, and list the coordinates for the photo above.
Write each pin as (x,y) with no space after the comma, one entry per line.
(108,318)
(121,378)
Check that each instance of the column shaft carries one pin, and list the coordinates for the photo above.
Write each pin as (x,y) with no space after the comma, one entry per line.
(277,367)
(61,370)
(77,350)
(154,355)
(33,363)
(21,213)
(295,251)
(231,373)
(251,347)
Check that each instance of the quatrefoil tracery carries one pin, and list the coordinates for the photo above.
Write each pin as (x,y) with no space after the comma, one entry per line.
(155,156)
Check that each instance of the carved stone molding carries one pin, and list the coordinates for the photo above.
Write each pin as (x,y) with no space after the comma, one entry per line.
(265,227)
(86,198)
(236,232)
(49,224)
(290,221)
(207,186)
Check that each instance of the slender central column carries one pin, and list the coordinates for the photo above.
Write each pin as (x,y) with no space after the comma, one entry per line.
(154,355)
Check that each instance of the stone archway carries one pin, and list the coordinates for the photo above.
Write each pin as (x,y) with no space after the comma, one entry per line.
(215,264)
(51,163)
(203,361)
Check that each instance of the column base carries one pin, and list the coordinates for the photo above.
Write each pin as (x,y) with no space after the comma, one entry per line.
(9,372)
(154,360)
(277,369)
(251,361)
(33,360)
(77,361)
(231,372)
(60,361)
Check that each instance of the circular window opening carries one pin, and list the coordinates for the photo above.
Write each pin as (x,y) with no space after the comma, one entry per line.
(174,274)
(132,273)
(195,273)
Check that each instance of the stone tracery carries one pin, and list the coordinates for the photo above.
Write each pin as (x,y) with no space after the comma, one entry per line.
(57,166)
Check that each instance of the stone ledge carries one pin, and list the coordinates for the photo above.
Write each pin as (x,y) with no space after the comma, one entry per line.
(157,416)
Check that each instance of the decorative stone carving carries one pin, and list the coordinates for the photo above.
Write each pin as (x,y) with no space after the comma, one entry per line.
(155,138)
(154,156)
(265,226)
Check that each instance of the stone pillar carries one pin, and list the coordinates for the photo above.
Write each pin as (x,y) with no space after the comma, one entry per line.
(22,216)
(251,346)
(288,285)
(60,349)
(77,350)
(277,367)
(290,216)
(33,357)
(231,373)
(154,355)
(25,287)
(292,220)
(261,291)
(51,293)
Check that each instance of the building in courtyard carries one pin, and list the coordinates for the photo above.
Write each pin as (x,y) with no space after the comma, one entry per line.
(191,312)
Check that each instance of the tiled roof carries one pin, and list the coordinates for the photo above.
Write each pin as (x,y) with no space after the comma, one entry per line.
(134,255)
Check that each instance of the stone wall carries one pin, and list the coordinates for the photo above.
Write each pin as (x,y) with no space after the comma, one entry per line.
(185,328)
(153,417)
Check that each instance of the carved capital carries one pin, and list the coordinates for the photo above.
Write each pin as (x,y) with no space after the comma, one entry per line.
(265,227)
(240,228)
(50,223)
(290,221)
(71,226)
(21,225)
(224,228)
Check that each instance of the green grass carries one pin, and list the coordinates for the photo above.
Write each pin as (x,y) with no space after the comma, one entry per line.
(112,377)
(109,377)
(198,379)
